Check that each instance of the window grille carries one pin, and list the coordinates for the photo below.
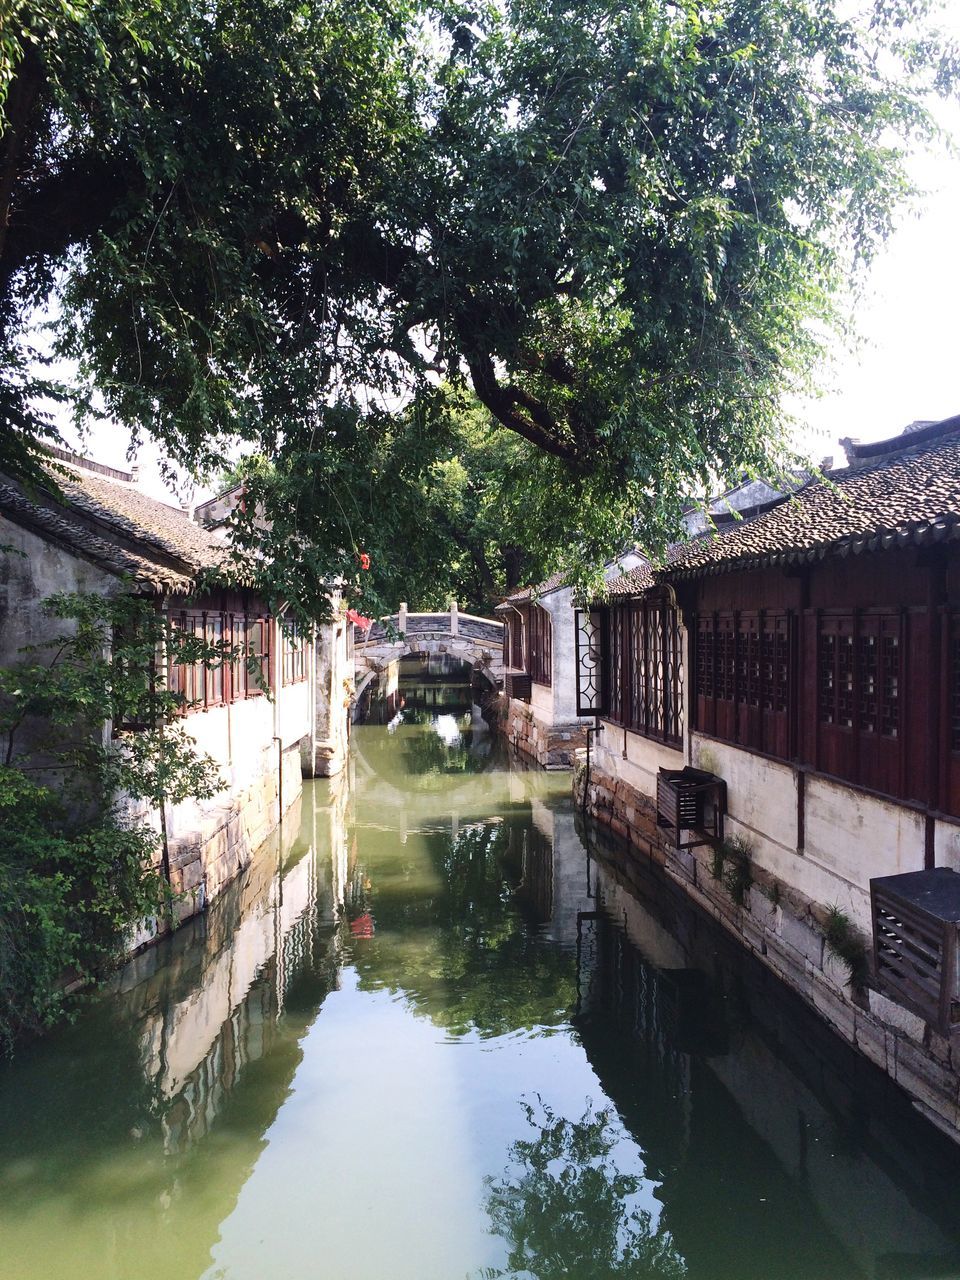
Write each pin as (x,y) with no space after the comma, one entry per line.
(644,669)
(541,645)
(742,663)
(295,650)
(590,635)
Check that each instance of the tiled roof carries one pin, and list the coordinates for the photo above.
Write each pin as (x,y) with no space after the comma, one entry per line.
(552,583)
(897,491)
(116,527)
(154,524)
(632,583)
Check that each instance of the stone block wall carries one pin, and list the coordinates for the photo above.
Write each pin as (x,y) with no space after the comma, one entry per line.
(786,931)
(211,843)
(551,745)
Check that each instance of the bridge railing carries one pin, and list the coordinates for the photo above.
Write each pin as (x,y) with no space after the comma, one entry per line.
(467,626)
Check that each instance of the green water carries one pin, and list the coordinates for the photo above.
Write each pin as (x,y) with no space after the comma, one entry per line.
(431,1035)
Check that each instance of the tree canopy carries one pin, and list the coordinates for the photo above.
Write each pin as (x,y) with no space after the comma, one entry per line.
(624,227)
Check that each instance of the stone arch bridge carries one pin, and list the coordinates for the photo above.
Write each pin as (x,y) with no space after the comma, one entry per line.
(476,641)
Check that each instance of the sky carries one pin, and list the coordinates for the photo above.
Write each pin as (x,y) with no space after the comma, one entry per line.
(909,318)
(908,367)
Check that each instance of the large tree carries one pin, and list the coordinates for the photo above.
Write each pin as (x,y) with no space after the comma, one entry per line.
(625,225)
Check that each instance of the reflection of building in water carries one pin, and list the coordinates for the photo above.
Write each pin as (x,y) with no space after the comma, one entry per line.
(213,1003)
(420,682)
(714,1063)
(555,880)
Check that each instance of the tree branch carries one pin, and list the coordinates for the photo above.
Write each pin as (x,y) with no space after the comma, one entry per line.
(537,424)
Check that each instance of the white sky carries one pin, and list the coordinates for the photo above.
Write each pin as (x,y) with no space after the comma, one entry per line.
(908,368)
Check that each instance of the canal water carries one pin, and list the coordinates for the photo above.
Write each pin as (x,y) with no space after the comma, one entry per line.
(438,1032)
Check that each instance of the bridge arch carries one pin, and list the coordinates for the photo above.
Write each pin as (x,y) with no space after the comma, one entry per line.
(476,641)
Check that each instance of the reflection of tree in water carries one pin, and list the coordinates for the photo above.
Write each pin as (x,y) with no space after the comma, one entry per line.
(563,1207)
(428,753)
(464,954)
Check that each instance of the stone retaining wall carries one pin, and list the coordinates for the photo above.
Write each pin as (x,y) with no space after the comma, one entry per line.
(209,844)
(552,746)
(785,930)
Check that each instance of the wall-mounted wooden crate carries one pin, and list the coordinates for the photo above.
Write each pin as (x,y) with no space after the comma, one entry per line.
(517,684)
(916,917)
(692,801)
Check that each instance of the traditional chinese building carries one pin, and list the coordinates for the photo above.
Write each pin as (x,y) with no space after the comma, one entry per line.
(805,663)
(266,722)
(541,718)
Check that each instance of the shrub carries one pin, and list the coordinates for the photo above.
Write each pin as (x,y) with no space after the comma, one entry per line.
(69,894)
(76,876)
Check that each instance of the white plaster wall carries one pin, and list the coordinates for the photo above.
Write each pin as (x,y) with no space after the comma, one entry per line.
(235,735)
(644,758)
(761,793)
(946,844)
(541,702)
(30,571)
(560,704)
(294,712)
(859,836)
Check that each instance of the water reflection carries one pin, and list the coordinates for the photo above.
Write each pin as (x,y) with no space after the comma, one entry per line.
(566,1207)
(428,684)
(433,1035)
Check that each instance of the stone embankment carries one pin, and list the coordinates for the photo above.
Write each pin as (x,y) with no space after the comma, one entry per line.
(788,933)
(552,746)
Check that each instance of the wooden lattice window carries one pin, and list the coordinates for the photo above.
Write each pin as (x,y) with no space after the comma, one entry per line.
(213,672)
(726,642)
(774,663)
(541,645)
(295,649)
(705,658)
(859,704)
(645,668)
(743,678)
(890,686)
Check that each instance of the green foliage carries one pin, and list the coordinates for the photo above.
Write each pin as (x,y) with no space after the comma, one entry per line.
(737,874)
(565,1208)
(718,858)
(625,226)
(730,864)
(846,943)
(77,873)
(69,893)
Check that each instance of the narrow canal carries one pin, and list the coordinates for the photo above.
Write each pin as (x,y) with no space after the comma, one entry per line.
(433,1034)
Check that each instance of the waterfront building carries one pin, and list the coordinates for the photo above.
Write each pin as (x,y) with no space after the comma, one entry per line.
(265,726)
(540,708)
(806,660)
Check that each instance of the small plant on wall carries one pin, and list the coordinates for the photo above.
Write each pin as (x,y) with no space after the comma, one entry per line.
(846,943)
(737,872)
(730,864)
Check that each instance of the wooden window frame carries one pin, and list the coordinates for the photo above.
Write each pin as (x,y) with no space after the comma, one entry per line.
(216,686)
(743,663)
(540,647)
(644,661)
(294,649)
